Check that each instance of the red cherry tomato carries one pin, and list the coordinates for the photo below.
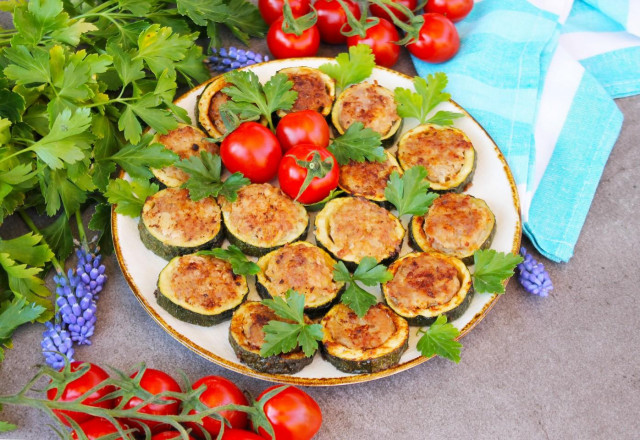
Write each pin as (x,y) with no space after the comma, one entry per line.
(303,127)
(156,382)
(293,414)
(331,19)
(379,12)
(271,10)
(438,40)
(454,10)
(169,435)
(219,391)
(252,150)
(283,45)
(291,175)
(382,38)
(78,387)
(239,434)
(97,428)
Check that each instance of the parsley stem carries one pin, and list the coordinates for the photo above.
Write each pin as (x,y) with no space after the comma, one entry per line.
(27,220)
(81,231)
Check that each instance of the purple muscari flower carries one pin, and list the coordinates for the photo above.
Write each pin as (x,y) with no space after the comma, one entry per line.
(533,276)
(56,342)
(90,270)
(225,59)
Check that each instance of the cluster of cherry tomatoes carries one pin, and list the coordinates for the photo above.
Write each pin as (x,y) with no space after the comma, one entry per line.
(435,36)
(293,414)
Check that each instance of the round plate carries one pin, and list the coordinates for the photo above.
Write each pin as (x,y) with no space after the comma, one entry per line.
(492,182)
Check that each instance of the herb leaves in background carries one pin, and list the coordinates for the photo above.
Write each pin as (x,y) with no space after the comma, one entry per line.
(358,144)
(204,177)
(429,93)
(129,196)
(369,273)
(410,193)
(491,268)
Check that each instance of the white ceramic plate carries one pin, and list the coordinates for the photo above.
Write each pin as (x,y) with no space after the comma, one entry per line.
(492,182)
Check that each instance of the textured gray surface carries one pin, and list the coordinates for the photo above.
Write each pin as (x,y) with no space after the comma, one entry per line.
(555,368)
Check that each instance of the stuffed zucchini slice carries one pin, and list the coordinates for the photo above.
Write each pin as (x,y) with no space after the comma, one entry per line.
(426,285)
(263,218)
(305,268)
(200,289)
(246,336)
(185,141)
(172,224)
(445,152)
(352,228)
(316,90)
(372,105)
(369,344)
(455,225)
(208,109)
(368,179)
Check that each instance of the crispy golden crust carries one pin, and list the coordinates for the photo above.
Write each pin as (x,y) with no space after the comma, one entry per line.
(369,332)
(368,179)
(370,104)
(213,111)
(313,93)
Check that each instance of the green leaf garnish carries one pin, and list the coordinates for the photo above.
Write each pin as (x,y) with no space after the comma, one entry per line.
(492,268)
(204,177)
(240,264)
(137,159)
(283,337)
(358,144)
(27,249)
(368,272)
(6,426)
(352,67)
(429,93)
(410,193)
(440,339)
(129,197)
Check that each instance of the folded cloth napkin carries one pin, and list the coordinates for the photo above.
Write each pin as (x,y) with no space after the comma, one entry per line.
(540,76)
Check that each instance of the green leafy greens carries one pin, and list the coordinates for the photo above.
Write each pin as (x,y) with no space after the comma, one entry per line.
(351,68)
(240,264)
(410,193)
(368,273)
(440,339)
(358,144)
(491,268)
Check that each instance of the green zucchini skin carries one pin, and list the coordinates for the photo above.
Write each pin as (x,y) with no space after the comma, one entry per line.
(467,180)
(167,251)
(421,321)
(189,316)
(366,366)
(256,251)
(312,312)
(271,364)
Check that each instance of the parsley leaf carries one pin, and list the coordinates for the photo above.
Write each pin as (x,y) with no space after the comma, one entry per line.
(101,222)
(358,144)
(440,339)
(240,264)
(6,426)
(204,177)
(159,47)
(429,93)
(58,236)
(129,197)
(351,68)
(283,337)
(136,159)
(410,193)
(492,268)
(26,249)
(23,281)
(12,316)
(369,273)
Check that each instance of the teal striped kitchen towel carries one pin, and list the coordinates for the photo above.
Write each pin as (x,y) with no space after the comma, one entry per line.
(540,76)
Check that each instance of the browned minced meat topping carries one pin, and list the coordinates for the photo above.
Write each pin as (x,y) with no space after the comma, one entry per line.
(204,281)
(367,179)
(217,100)
(422,281)
(366,333)
(254,321)
(440,151)
(312,92)
(370,104)
(456,222)
(185,141)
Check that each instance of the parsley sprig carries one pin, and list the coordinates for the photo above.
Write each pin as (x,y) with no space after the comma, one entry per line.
(129,196)
(492,268)
(440,339)
(429,93)
(410,193)
(283,337)
(369,273)
(358,144)
(351,68)
(240,264)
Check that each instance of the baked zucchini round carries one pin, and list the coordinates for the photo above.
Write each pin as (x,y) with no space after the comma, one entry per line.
(351,228)
(372,105)
(369,344)
(316,90)
(263,218)
(172,224)
(200,290)
(426,285)
(208,108)
(455,225)
(445,152)
(246,336)
(305,268)
(185,141)
(368,179)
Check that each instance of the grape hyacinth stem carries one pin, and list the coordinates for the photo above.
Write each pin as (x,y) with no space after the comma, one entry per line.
(533,276)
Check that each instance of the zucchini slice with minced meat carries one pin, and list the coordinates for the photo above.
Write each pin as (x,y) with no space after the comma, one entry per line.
(352,228)
(369,344)
(456,225)
(246,336)
(316,90)
(172,224)
(199,289)
(305,268)
(185,141)
(368,179)
(263,218)
(426,285)
(445,152)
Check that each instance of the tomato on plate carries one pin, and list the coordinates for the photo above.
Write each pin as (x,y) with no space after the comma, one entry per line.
(293,414)
(97,428)
(454,10)
(303,127)
(382,39)
(285,45)
(252,150)
(239,434)
(169,435)
(292,175)
(78,387)
(219,391)
(155,382)
(438,40)
(331,19)
(271,10)
(380,12)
